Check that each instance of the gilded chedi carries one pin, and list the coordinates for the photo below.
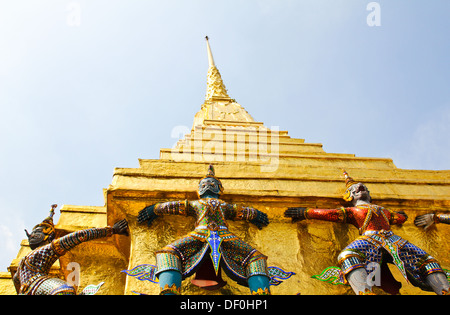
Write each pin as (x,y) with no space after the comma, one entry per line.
(260,168)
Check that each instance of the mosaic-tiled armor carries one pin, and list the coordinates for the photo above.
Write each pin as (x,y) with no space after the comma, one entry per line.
(210,247)
(211,234)
(442,218)
(376,246)
(32,276)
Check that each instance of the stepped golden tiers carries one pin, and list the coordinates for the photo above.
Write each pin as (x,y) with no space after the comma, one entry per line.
(259,167)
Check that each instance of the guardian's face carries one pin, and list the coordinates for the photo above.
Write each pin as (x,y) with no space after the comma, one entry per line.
(36,238)
(360,192)
(209,184)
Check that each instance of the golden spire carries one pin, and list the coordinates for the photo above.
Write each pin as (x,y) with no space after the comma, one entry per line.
(215,89)
(218,105)
(210,56)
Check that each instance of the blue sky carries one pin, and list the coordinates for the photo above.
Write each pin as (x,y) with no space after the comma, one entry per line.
(87,86)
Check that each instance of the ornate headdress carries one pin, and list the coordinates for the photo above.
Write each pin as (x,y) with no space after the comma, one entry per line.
(211,174)
(48,228)
(349,182)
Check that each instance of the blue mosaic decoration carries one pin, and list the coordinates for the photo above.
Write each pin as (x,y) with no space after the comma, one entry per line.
(277,275)
(214,241)
(144,272)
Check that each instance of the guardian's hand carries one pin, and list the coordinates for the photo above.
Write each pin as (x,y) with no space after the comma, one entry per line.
(261,219)
(296,214)
(403,213)
(424,221)
(121,227)
(147,215)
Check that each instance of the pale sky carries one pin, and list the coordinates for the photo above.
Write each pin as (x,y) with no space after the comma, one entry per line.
(87,86)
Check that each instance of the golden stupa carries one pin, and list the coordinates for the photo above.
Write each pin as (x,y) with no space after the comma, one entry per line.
(260,167)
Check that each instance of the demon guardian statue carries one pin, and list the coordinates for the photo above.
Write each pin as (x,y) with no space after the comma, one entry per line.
(210,247)
(376,246)
(32,276)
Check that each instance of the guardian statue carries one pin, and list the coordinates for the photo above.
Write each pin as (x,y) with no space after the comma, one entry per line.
(210,247)
(32,276)
(377,245)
